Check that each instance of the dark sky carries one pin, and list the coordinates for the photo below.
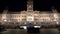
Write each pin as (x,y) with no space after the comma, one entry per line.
(19,5)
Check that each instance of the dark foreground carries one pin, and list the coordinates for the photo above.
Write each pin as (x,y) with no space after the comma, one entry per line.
(23,31)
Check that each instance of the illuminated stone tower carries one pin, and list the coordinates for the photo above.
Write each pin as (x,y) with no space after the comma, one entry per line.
(30,11)
(30,5)
(4,14)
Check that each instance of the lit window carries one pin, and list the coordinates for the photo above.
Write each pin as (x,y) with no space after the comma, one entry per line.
(57,22)
(5,20)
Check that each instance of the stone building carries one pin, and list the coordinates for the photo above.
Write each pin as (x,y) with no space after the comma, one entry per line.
(30,16)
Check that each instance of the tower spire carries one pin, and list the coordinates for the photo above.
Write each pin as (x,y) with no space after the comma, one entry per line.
(29,5)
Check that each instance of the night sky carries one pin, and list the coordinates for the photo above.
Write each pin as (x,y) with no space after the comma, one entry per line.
(20,5)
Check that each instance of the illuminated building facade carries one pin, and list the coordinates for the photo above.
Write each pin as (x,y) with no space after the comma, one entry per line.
(30,16)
